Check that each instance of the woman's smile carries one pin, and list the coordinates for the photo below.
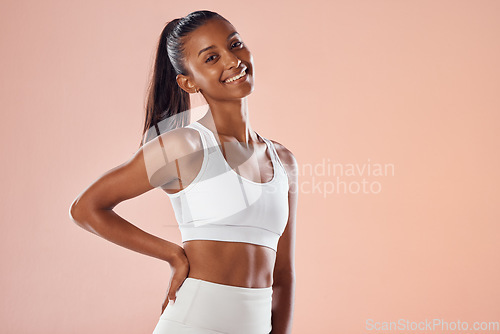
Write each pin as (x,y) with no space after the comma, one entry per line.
(237,78)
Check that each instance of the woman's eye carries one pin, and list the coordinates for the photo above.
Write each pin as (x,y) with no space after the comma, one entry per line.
(209,59)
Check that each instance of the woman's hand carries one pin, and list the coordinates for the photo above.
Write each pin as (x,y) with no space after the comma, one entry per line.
(179,267)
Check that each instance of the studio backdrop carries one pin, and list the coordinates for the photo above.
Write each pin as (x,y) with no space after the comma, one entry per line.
(390,108)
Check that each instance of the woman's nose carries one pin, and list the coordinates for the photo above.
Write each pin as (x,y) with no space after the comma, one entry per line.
(232,60)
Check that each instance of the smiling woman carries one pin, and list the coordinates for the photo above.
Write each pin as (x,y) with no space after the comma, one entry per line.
(233,191)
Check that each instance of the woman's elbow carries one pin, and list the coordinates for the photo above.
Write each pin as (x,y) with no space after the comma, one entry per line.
(284,277)
(78,213)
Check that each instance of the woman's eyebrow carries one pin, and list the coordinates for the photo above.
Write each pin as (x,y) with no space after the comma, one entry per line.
(213,46)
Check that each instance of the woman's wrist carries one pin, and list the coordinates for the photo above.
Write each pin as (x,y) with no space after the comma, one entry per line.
(175,253)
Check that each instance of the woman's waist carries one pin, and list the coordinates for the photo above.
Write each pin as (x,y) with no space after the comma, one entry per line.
(231,263)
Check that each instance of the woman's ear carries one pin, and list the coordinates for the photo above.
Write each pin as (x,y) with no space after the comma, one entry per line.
(185,83)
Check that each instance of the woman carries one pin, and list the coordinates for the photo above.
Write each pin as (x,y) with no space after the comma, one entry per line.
(233,191)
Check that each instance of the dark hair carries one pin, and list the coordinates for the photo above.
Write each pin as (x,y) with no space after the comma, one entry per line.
(166,101)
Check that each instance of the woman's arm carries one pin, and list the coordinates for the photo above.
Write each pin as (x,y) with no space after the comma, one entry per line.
(153,165)
(284,270)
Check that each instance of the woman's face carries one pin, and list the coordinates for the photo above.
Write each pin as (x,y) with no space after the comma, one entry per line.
(214,53)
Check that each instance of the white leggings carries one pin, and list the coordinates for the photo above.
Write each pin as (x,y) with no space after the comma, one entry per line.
(203,307)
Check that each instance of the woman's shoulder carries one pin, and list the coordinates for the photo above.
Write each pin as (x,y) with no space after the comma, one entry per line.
(180,139)
(163,153)
(286,156)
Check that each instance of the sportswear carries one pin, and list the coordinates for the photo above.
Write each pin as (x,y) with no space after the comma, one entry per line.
(219,204)
(207,307)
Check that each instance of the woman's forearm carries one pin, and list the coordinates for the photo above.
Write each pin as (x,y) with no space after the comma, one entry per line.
(282,309)
(110,226)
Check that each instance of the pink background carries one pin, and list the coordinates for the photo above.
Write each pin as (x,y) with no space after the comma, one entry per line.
(408,83)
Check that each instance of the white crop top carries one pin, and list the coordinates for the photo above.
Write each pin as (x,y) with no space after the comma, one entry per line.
(219,204)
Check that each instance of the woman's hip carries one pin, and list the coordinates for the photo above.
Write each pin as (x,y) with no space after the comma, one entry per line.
(219,308)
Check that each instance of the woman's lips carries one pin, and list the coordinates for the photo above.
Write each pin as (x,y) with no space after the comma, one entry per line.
(242,78)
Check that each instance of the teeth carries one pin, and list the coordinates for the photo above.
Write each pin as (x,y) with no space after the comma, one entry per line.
(236,77)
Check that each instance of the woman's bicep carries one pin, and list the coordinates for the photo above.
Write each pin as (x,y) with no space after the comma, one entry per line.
(152,166)
(116,185)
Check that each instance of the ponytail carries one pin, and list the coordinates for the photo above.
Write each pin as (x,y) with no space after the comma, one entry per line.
(166,100)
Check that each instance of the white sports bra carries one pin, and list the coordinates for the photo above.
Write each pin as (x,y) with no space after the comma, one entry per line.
(219,204)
